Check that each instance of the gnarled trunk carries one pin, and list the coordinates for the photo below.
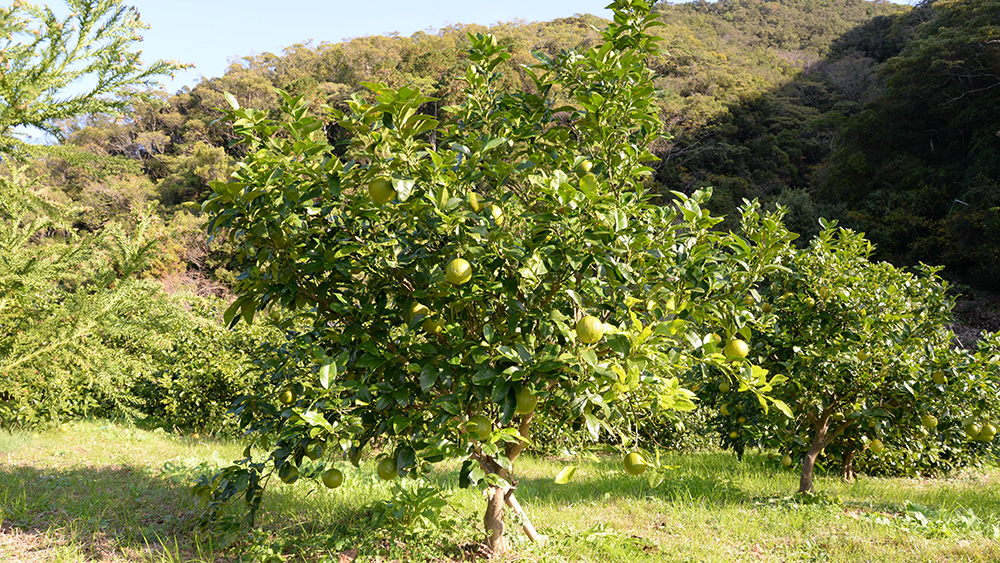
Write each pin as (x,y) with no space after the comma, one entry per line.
(499,497)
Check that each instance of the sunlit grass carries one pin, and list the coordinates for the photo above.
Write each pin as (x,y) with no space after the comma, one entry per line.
(101,491)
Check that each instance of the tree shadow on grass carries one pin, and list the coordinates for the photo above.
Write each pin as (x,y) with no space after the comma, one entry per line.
(103,513)
(710,483)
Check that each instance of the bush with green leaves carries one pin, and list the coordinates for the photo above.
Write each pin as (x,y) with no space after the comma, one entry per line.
(195,379)
(450,276)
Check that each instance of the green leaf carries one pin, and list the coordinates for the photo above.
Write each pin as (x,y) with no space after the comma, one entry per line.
(781,406)
(324,372)
(593,425)
(565,474)
(231,100)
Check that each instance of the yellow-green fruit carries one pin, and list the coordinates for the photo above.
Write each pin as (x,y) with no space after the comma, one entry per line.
(929,421)
(987,433)
(742,420)
(810,302)
(474,202)
(724,387)
(288,473)
(415,310)
(724,409)
(749,300)
(380,189)
(734,434)
(715,339)
(458,271)
(287,396)
(862,355)
(585,166)
(838,416)
(766,308)
(973,430)
(333,478)
(590,329)
(387,469)
(526,401)
(786,461)
(736,348)
(939,378)
(433,326)
(635,464)
(496,212)
(479,427)
(876,446)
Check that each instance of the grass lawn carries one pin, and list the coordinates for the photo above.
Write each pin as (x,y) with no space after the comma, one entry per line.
(100,491)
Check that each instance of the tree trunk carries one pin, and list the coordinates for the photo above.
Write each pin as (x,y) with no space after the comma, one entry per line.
(498,497)
(809,461)
(847,466)
(493,519)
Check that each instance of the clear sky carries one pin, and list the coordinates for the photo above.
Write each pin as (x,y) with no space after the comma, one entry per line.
(208,33)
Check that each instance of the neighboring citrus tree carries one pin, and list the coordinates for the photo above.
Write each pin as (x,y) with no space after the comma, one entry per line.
(864,346)
(441,281)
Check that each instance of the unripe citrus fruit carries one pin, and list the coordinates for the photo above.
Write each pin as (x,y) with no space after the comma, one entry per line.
(333,478)
(786,461)
(387,469)
(479,427)
(458,271)
(734,434)
(526,401)
(474,203)
(496,212)
(417,309)
(380,189)
(288,473)
(590,329)
(725,387)
(433,326)
(929,421)
(939,378)
(724,409)
(736,348)
(585,166)
(635,464)
(287,396)
(973,429)
(766,308)
(876,446)
(742,420)
(987,433)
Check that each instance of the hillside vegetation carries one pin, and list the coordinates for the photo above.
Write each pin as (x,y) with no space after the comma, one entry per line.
(870,112)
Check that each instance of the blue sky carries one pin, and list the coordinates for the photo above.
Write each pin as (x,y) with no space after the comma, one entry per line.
(208,33)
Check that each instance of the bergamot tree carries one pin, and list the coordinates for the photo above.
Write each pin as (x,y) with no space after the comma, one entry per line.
(445,280)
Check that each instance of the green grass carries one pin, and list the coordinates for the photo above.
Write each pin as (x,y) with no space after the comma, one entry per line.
(97,491)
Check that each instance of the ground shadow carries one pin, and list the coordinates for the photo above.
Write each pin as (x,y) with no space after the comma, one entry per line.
(108,513)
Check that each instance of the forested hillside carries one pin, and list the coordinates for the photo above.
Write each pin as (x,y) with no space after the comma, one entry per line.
(874,113)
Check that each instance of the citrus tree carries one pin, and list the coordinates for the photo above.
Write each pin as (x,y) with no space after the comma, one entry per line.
(864,347)
(442,280)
